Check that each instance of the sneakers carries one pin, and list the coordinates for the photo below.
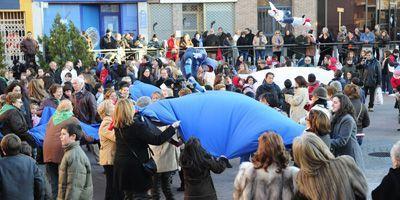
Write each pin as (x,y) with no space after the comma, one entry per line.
(370,109)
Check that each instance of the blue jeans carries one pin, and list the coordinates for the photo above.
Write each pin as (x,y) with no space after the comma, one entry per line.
(245,54)
(260,53)
(386,86)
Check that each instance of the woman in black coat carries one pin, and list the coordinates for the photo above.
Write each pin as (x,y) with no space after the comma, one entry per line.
(133,137)
(325,37)
(289,38)
(389,189)
(25,108)
(12,119)
(196,165)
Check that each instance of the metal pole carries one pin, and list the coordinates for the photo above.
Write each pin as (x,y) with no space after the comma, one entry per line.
(326,13)
(366,14)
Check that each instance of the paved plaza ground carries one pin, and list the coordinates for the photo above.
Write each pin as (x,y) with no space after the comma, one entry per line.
(380,136)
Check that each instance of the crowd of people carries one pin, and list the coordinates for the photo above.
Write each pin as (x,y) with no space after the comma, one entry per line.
(326,162)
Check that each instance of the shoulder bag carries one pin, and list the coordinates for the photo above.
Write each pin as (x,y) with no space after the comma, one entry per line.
(150,167)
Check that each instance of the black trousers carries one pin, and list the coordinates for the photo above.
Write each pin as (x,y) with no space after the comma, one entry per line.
(52,177)
(109,170)
(162,181)
(29,58)
(371,91)
(130,195)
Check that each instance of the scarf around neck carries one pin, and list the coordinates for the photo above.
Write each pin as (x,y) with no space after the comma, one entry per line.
(6,108)
(59,117)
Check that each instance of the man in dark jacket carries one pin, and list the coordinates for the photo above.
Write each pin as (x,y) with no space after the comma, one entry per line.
(55,72)
(20,177)
(30,47)
(269,86)
(221,36)
(108,41)
(372,78)
(249,40)
(85,106)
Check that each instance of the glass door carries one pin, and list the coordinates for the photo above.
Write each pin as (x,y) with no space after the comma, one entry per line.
(110,18)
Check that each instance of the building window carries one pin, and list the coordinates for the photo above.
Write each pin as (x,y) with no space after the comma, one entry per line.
(192,16)
(113,8)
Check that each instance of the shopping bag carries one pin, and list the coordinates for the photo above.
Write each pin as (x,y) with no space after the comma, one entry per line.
(378,96)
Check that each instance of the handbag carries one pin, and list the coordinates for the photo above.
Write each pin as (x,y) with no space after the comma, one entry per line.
(378,96)
(150,167)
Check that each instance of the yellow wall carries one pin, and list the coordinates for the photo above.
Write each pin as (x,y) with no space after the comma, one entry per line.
(26,6)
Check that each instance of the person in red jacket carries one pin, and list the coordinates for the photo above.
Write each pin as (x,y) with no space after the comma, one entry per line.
(173,48)
(332,64)
(395,80)
(312,84)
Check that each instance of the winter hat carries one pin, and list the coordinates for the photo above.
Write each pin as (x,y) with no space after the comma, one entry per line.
(337,85)
(321,93)
(396,73)
(333,60)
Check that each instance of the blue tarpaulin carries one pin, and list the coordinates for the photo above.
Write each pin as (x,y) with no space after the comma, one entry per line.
(139,89)
(226,123)
(38,132)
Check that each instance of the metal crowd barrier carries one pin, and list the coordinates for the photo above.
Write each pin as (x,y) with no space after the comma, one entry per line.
(231,52)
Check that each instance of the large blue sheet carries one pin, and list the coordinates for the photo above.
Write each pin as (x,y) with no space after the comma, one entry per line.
(226,123)
(139,89)
(38,132)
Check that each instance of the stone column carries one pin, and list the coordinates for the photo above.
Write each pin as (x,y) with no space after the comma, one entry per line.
(177,20)
(246,15)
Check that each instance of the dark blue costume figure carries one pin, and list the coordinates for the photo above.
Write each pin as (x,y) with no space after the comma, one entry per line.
(190,63)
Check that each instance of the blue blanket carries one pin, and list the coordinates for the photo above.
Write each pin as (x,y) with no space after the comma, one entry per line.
(38,132)
(139,89)
(226,123)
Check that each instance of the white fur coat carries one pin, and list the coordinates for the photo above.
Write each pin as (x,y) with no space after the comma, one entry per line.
(257,184)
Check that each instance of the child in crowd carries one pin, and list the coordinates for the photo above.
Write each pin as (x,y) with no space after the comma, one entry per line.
(34,110)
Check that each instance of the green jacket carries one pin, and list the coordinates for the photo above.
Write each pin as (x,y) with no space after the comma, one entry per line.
(75,175)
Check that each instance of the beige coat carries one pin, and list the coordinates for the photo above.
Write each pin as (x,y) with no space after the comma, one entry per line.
(107,142)
(297,103)
(260,45)
(277,42)
(258,184)
(166,155)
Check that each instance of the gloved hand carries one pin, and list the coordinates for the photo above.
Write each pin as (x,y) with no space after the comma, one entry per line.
(226,161)
(176,124)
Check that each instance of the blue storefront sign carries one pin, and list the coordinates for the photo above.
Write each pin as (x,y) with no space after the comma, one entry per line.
(94,17)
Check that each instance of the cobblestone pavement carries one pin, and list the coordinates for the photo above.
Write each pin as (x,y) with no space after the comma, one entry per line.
(380,136)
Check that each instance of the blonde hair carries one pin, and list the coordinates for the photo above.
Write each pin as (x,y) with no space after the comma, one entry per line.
(395,154)
(124,113)
(321,175)
(36,89)
(65,105)
(106,108)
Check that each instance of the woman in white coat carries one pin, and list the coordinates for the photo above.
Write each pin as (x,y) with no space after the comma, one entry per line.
(298,100)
